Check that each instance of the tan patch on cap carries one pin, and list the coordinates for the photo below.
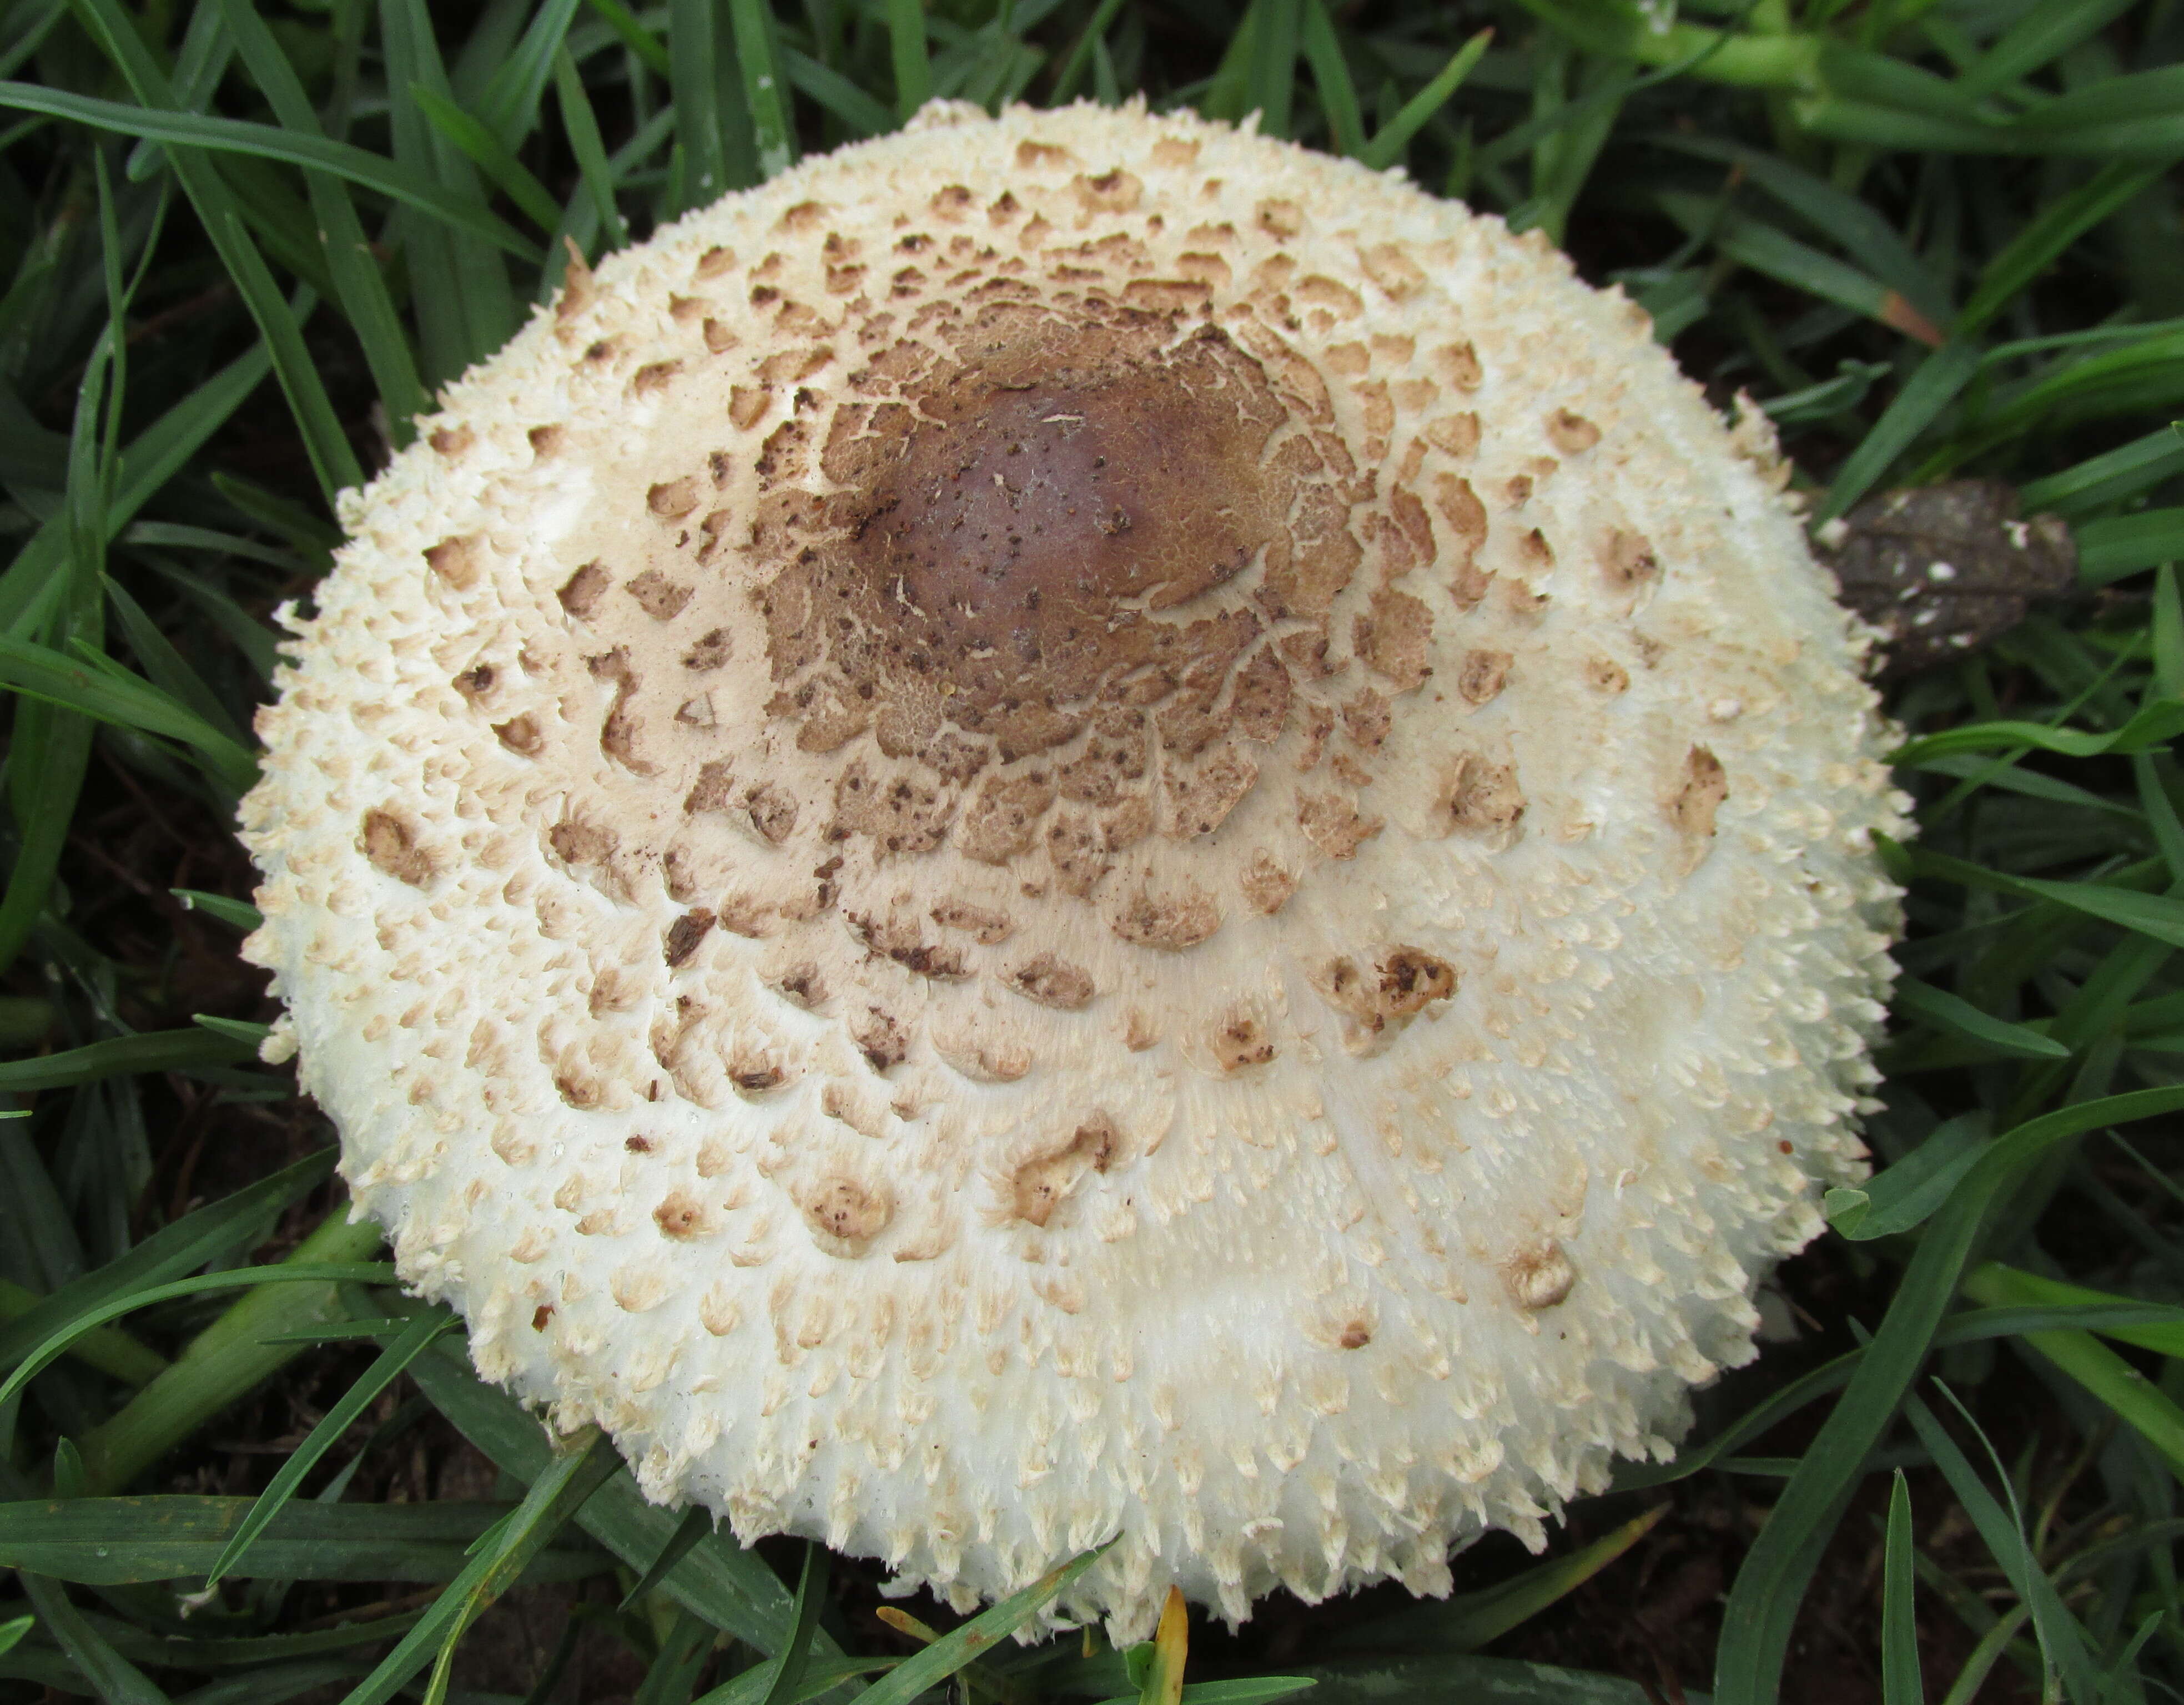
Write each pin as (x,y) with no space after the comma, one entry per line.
(847,1211)
(1704,785)
(1539,1275)
(390,842)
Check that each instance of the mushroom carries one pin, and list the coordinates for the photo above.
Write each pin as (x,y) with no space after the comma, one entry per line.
(1079,828)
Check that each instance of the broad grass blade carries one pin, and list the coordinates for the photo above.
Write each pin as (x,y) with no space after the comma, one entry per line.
(120,1541)
(731,1588)
(289,1478)
(1901,1683)
(207,1234)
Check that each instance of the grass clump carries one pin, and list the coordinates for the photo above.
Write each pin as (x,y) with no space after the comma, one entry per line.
(1936,241)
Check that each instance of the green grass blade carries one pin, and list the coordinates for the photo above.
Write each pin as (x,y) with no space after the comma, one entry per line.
(1071,77)
(788,1665)
(2120,544)
(549,1505)
(1856,226)
(1466,1680)
(209,1233)
(165,667)
(632,34)
(2156,916)
(343,1331)
(1903,1197)
(583,129)
(363,291)
(181,535)
(2053,228)
(234,1029)
(1954,1013)
(1901,1682)
(2011,1288)
(2111,477)
(28,28)
(312,536)
(2140,114)
(1777,255)
(1924,395)
(519,84)
(1763,1603)
(144,466)
(288,1273)
(113,695)
(1989,1651)
(236,913)
(113,1678)
(158,122)
(730,1587)
(696,1522)
(331,458)
(820,1680)
(289,1478)
(257,643)
(1392,138)
(229,1357)
(48,752)
(694,77)
(1582,130)
(2038,37)
(1330,76)
(2119,1388)
(908,52)
(446,326)
(860,114)
(1270,69)
(1255,1690)
(491,156)
(156,1051)
(49,748)
(2062,1639)
(1469,1620)
(2003,773)
(334,462)
(674,1669)
(480,313)
(2150,728)
(936,1663)
(773,125)
(1228,93)
(122,1542)
(108,1349)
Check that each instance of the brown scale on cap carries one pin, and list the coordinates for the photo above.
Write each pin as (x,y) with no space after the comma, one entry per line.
(1539,1275)
(850,1212)
(1377,1000)
(390,844)
(1042,1181)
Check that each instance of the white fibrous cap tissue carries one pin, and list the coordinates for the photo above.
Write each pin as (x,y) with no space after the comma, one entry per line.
(1030,841)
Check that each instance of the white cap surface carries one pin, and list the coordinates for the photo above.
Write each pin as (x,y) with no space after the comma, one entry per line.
(1081,825)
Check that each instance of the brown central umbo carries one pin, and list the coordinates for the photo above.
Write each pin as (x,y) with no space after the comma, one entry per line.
(1035,527)
(1062,554)
(1029,529)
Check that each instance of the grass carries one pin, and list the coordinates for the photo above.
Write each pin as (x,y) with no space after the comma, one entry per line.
(1936,238)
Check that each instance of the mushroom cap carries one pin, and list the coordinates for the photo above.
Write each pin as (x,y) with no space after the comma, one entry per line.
(1079,825)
